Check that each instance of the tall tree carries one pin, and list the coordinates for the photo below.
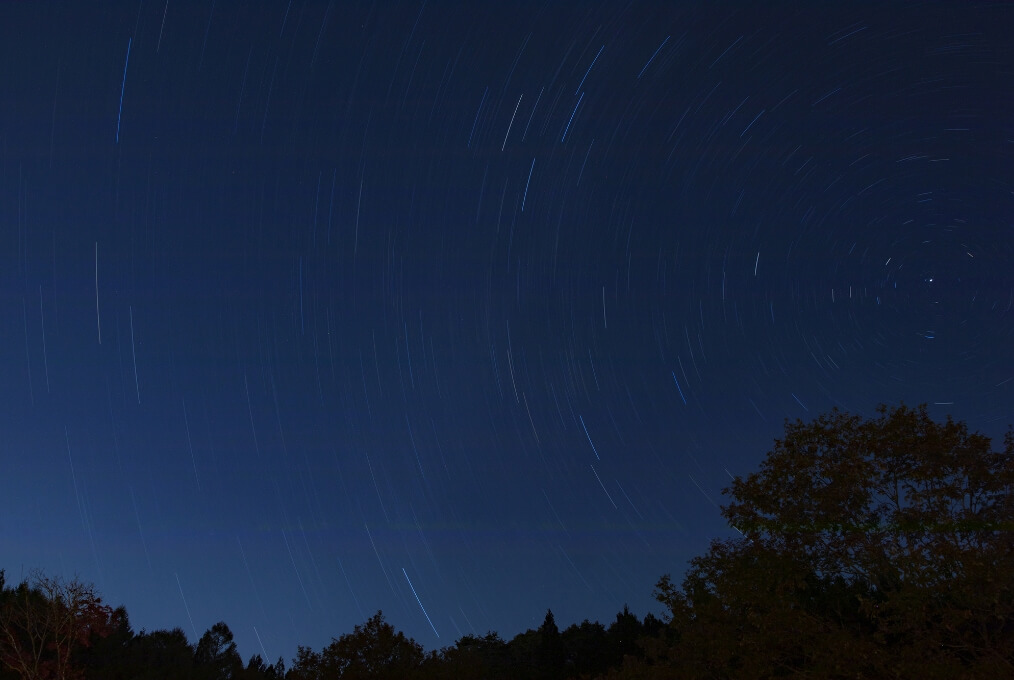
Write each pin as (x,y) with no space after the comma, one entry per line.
(215,657)
(623,635)
(109,656)
(870,548)
(550,655)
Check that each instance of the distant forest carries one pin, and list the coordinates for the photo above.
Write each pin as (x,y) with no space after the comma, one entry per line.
(866,548)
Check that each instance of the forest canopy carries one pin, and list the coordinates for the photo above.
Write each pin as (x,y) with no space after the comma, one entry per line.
(864,547)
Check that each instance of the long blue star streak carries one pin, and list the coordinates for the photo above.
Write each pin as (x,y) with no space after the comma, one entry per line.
(123,86)
(420,602)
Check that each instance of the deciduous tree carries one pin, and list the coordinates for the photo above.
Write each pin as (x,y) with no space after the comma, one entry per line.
(869,548)
(44,620)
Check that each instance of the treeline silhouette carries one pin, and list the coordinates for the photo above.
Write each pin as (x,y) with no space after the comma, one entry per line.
(866,548)
(56,630)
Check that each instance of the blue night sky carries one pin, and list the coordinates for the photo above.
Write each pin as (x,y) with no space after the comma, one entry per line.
(464,311)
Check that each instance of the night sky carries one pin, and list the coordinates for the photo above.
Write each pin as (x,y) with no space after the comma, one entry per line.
(464,311)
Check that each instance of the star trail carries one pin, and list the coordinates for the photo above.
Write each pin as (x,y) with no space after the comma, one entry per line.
(280,319)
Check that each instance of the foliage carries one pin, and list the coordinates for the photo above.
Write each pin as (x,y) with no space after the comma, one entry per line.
(870,548)
(587,649)
(44,620)
(258,669)
(472,657)
(215,656)
(373,650)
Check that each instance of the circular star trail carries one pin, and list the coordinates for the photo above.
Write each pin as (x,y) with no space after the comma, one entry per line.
(463,311)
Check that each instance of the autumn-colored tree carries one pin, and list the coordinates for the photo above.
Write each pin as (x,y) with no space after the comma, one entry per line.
(870,548)
(44,621)
(110,654)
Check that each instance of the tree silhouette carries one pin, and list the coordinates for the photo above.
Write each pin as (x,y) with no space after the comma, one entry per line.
(867,548)
(870,548)
(163,655)
(550,654)
(472,658)
(306,665)
(587,648)
(257,669)
(108,655)
(623,635)
(373,650)
(215,657)
(44,621)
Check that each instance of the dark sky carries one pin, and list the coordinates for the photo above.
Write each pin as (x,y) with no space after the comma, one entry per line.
(464,311)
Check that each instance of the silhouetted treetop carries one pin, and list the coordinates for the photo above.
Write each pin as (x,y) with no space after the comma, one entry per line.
(871,547)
